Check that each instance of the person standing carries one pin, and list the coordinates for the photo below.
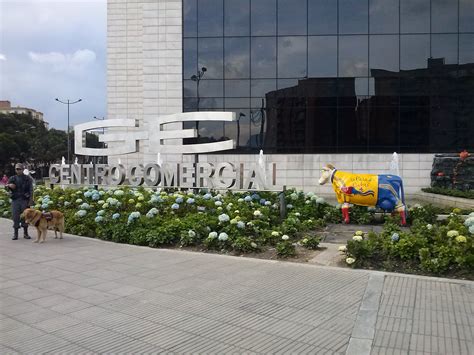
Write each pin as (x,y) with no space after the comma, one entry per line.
(21,189)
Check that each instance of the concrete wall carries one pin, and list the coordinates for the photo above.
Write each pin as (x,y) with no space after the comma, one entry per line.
(144,71)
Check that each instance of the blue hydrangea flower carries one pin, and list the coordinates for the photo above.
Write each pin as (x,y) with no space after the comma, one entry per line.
(85,206)
(248,198)
(240,225)
(98,219)
(268,203)
(201,208)
(67,203)
(395,237)
(95,196)
(88,194)
(81,213)
(150,215)
(190,201)
(262,201)
(116,216)
(289,206)
(218,203)
(100,213)
(174,206)
(223,218)
(44,206)
(255,197)
(223,237)
(207,196)
(179,200)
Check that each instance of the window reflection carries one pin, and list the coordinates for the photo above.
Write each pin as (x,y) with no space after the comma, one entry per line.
(322,17)
(415,16)
(322,54)
(337,89)
(445,46)
(237,88)
(414,51)
(292,57)
(353,55)
(263,17)
(466,16)
(210,14)
(353,16)
(237,58)
(190,18)
(211,56)
(236,17)
(292,17)
(383,15)
(444,16)
(263,57)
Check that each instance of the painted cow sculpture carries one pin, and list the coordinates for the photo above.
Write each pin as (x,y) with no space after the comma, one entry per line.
(383,191)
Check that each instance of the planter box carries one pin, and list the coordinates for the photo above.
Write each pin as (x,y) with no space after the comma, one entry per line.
(443,200)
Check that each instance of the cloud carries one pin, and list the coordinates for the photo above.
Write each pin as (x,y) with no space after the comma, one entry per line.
(59,61)
(2,57)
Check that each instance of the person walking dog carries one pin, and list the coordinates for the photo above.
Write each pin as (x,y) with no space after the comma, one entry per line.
(21,190)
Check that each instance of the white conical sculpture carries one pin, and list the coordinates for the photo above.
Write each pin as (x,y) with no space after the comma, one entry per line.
(119,161)
(63,161)
(75,161)
(159,160)
(394,166)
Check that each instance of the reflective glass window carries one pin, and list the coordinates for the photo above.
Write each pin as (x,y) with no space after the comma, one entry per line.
(237,88)
(237,57)
(414,120)
(285,83)
(189,88)
(383,128)
(466,48)
(211,56)
(384,52)
(232,102)
(415,16)
(353,56)
(292,52)
(236,17)
(263,17)
(190,18)
(353,129)
(383,16)
(444,16)
(322,56)
(320,92)
(211,88)
(353,16)
(414,51)
(263,57)
(292,16)
(190,57)
(211,103)
(352,90)
(445,46)
(210,14)
(322,125)
(259,88)
(466,16)
(322,17)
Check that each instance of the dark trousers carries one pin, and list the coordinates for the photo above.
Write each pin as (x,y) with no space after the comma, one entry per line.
(18,206)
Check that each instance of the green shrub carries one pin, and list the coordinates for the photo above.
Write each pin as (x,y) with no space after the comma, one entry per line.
(285,249)
(450,192)
(311,242)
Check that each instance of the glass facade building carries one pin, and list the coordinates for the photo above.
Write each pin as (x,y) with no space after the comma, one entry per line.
(332,76)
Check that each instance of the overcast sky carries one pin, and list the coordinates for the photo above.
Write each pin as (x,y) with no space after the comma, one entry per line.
(52,49)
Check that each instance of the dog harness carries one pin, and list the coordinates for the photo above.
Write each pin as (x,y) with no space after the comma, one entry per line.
(46,215)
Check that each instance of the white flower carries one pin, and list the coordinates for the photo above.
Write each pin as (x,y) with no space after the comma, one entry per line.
(275,234)
(320,200)
(253,245)
(429,226)
(342,248)
(257,213)
(218,203)
(350,261)
(240,225)
(453,233)
(191,233)
(212,235)
(357,238)
(359,233)
(236,211)
(297,214)
(285,237)
(223,218)
(223,237)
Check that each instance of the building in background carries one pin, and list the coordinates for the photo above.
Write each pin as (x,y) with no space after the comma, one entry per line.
(6,107)
(312,81)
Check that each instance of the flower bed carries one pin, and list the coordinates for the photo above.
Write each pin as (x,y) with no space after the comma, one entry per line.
(441,249)
(249,223)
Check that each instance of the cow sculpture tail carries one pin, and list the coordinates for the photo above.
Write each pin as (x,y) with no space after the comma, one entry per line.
(405,209)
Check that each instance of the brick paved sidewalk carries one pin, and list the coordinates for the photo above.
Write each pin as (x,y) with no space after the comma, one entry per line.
(79,295)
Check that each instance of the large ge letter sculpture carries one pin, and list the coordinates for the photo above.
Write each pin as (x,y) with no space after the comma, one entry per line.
(383,191)
(155,133)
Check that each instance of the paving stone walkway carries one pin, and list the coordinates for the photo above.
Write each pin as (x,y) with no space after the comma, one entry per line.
(82,296)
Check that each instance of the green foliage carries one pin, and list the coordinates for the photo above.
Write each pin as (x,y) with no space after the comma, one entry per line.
(245,245)
(311,242)
(285,249)
(450,192)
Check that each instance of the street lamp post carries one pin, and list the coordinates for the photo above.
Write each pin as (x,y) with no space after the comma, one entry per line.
(68,102)
(197,78)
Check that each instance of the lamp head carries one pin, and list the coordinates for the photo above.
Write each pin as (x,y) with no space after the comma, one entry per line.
(204,69)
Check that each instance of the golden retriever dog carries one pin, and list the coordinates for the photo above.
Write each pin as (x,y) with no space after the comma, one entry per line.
(43,221)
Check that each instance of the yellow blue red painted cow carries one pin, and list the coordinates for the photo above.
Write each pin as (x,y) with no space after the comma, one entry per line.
(383,191)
